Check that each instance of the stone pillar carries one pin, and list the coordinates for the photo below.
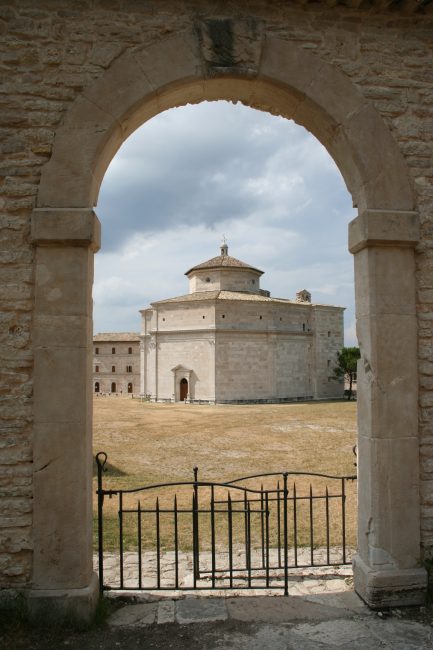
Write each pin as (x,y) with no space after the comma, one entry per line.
(387,568)
(143,370)
(63,583)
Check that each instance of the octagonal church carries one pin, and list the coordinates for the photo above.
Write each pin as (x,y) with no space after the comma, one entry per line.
(229,341)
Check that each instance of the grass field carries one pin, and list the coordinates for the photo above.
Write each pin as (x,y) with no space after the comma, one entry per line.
(157,443)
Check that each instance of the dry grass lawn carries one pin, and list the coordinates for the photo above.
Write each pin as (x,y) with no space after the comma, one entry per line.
(154,442)
(157,443)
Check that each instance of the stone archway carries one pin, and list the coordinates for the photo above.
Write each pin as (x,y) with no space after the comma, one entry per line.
(282,78)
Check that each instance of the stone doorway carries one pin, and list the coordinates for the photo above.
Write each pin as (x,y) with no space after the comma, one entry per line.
(183,389)
(285,79)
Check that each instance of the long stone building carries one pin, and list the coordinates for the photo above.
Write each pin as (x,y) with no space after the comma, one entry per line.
(228,340)
(116,363)
(78,80)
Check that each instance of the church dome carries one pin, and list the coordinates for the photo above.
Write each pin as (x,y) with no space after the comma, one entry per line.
(223,261)
(224,273)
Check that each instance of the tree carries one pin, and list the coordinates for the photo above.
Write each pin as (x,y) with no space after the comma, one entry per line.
(346,368)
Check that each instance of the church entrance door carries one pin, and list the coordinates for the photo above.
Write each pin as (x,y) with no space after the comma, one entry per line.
(183,389)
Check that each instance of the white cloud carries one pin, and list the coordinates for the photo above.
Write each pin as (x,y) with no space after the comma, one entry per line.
(195,173)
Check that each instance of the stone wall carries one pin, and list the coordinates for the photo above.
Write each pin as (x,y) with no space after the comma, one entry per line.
(51,51)
(327,324)
(194,351)
(265,364)
(210,280)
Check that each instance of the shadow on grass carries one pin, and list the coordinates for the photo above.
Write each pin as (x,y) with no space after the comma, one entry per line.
(111,470)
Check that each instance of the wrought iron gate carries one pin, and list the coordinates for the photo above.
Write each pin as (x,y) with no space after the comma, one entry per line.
(232,535)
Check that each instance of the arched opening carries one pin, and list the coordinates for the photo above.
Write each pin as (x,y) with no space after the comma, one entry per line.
(97,389)
(294,83)
(130,387)
(113,387)
(183,389)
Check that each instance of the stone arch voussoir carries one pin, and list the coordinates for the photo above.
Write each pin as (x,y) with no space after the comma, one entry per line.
(287,80)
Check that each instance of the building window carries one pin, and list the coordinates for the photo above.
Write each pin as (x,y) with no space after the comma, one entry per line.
(113,350)
(207,279)
(329,334)
(204,317)
(303,327)
(96,386)
(253,281)
(113,386)
(130,387)
(329,363)
(96,350)
(128,368)
(260,317)
(223,316)
(96,368)
(129,350)
(113,368)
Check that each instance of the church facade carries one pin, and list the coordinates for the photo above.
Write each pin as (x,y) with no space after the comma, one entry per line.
(229,341)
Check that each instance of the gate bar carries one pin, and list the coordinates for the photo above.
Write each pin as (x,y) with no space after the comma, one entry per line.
(101,459)
(286,558)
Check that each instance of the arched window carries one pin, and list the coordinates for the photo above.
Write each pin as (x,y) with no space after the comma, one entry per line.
(128,368)
(129,350)
(96,386)
(113,350)
(130,387)
(113,386)
(96,368)
(113,368)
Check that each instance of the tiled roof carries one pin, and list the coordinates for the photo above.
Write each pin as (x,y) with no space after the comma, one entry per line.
(202,296)
(191,297)
(116,336)
(223,261)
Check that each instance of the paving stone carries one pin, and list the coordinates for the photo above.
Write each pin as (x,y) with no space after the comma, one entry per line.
(394,633)
(347,600)
(200,610)
(264,637)
(267,637)
(282,609)
(134,615)
(166,612)
(332,633)
(318,579)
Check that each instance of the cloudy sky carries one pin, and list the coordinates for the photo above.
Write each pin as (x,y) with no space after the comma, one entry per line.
(193,174)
